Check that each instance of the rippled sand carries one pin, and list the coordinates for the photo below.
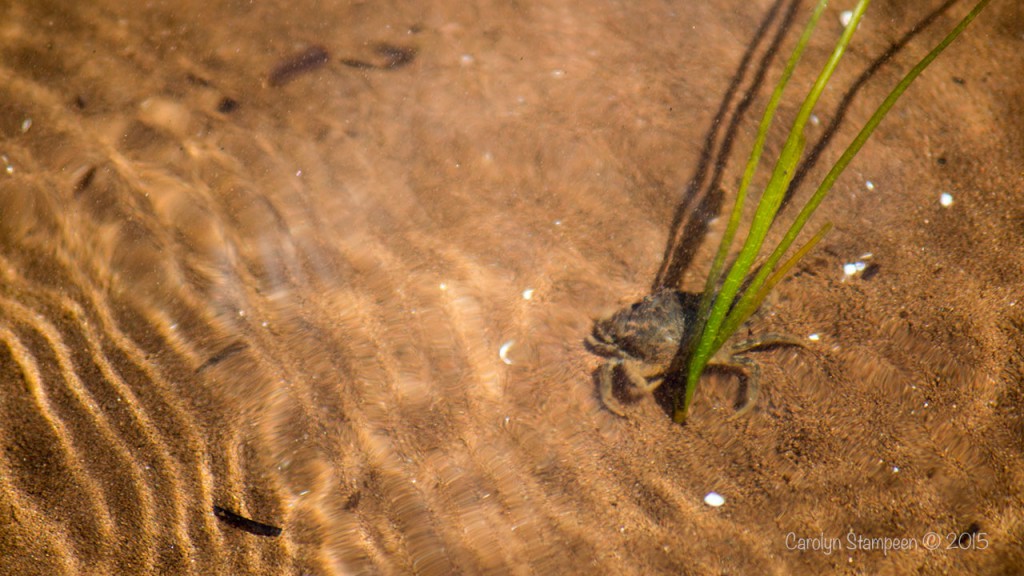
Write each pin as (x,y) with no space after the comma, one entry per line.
(263,258)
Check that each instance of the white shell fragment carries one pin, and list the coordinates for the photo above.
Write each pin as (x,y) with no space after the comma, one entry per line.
(853,268)
(845,17)
(869,185)
(946,199)
(503,352)
(714,499)
(528,294)
(814,337)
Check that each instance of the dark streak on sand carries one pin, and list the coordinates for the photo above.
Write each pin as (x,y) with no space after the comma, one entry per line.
(394,57)
(309,59)
(223,355)
(242,523)
(358,64)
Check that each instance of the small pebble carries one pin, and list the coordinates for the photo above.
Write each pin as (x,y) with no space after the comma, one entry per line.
(814,337)
(845,17)
(869,185)
(528,294)
(714,499)
(946,199)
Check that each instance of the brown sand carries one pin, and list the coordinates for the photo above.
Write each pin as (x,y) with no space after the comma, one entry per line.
(234,275)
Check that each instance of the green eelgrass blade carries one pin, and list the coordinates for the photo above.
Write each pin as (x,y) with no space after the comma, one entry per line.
(747,304)
(769,204)
(777,277)
(714,276)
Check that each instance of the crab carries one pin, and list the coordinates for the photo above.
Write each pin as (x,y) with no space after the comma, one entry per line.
(642,339)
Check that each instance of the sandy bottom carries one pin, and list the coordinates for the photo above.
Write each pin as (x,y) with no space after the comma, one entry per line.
(261,259)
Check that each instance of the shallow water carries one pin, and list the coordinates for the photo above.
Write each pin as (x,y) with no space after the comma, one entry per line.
(264,257)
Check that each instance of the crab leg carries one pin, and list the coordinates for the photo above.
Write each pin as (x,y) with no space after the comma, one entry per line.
(751,372)
(764,341)
(605,376)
